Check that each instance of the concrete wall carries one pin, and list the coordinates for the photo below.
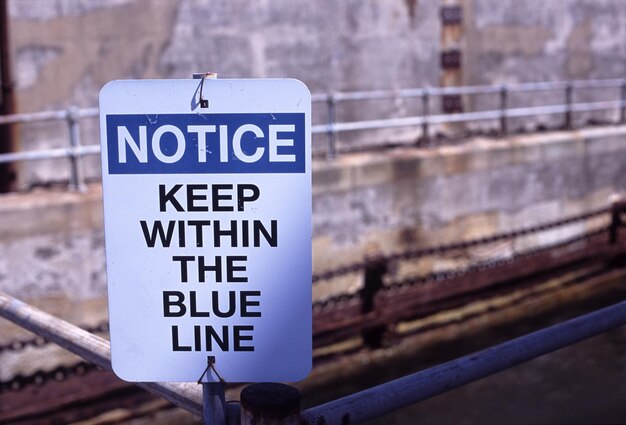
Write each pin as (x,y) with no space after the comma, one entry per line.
(513,41)
(523,41)
(65,50)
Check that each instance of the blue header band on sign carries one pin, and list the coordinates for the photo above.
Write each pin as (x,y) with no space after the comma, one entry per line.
(206,143)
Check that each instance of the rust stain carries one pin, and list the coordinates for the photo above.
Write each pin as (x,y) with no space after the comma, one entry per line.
(411,6)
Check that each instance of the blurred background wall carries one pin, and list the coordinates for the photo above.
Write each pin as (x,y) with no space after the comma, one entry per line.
(64,51)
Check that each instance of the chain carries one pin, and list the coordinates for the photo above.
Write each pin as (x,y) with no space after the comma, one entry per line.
(441,249)
(336,302)
(39,378)
(486,265)
(39,341)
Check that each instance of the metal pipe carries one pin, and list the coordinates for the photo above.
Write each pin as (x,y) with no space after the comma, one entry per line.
(91,348)
(410,389)
(569,94)
(213,400)
(622,118)
(331,148)
(538,86)
(73,122)
(503,106)
(49,154)
(596,84)
(466,116)
(34,117)
(425,113)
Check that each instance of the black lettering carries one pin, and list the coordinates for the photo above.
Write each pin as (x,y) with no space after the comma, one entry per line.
(232,305)
(211,335)
(193,308)
(241,195)
(168,303)
(217,197)
(231,268)
(199,225)
(192,197)
(158,231)
(245,233)
(197,337)
(238,338)
(203,268)
(175,343)
(184,260)
(218,233)
(170,196)
(245,303)
(271,237)
(181,233)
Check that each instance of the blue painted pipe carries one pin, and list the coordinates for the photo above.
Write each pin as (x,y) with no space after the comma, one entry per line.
(393,395)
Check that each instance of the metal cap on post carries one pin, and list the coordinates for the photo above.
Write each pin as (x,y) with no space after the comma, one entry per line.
(270,404)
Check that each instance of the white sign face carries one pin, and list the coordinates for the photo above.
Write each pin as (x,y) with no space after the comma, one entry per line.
(208,228)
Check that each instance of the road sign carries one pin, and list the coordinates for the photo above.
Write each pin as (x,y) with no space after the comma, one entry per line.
(208,228)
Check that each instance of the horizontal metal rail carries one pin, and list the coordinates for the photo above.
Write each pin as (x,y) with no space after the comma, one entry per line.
(382,399)
(468,116)
(50,153)
(47,116)
(92,348)
(75,150)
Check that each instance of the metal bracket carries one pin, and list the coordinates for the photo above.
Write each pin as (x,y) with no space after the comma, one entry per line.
(204,103)
(451,15)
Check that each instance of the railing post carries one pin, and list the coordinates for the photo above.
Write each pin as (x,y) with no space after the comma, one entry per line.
(425,113)
(270,404)
(569,90)
(331,149)
(622,118)
(76,181)
(617,209)
(375,269)
(503,108)
(213,402)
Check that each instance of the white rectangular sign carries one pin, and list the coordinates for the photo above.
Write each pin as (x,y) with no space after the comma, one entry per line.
(208,228)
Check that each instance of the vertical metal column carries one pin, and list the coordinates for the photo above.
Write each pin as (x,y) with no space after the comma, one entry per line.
(7,103)
(425,113)
(76,180)
(331,149)
(213,401)
(213,395)
(503,108)
(622,117)
(569,89)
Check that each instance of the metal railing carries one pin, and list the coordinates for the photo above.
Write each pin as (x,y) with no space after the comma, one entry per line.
(333,127)
(355,408)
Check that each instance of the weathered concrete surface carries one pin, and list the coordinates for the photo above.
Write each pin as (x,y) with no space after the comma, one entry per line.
(64,51)
(515,41)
